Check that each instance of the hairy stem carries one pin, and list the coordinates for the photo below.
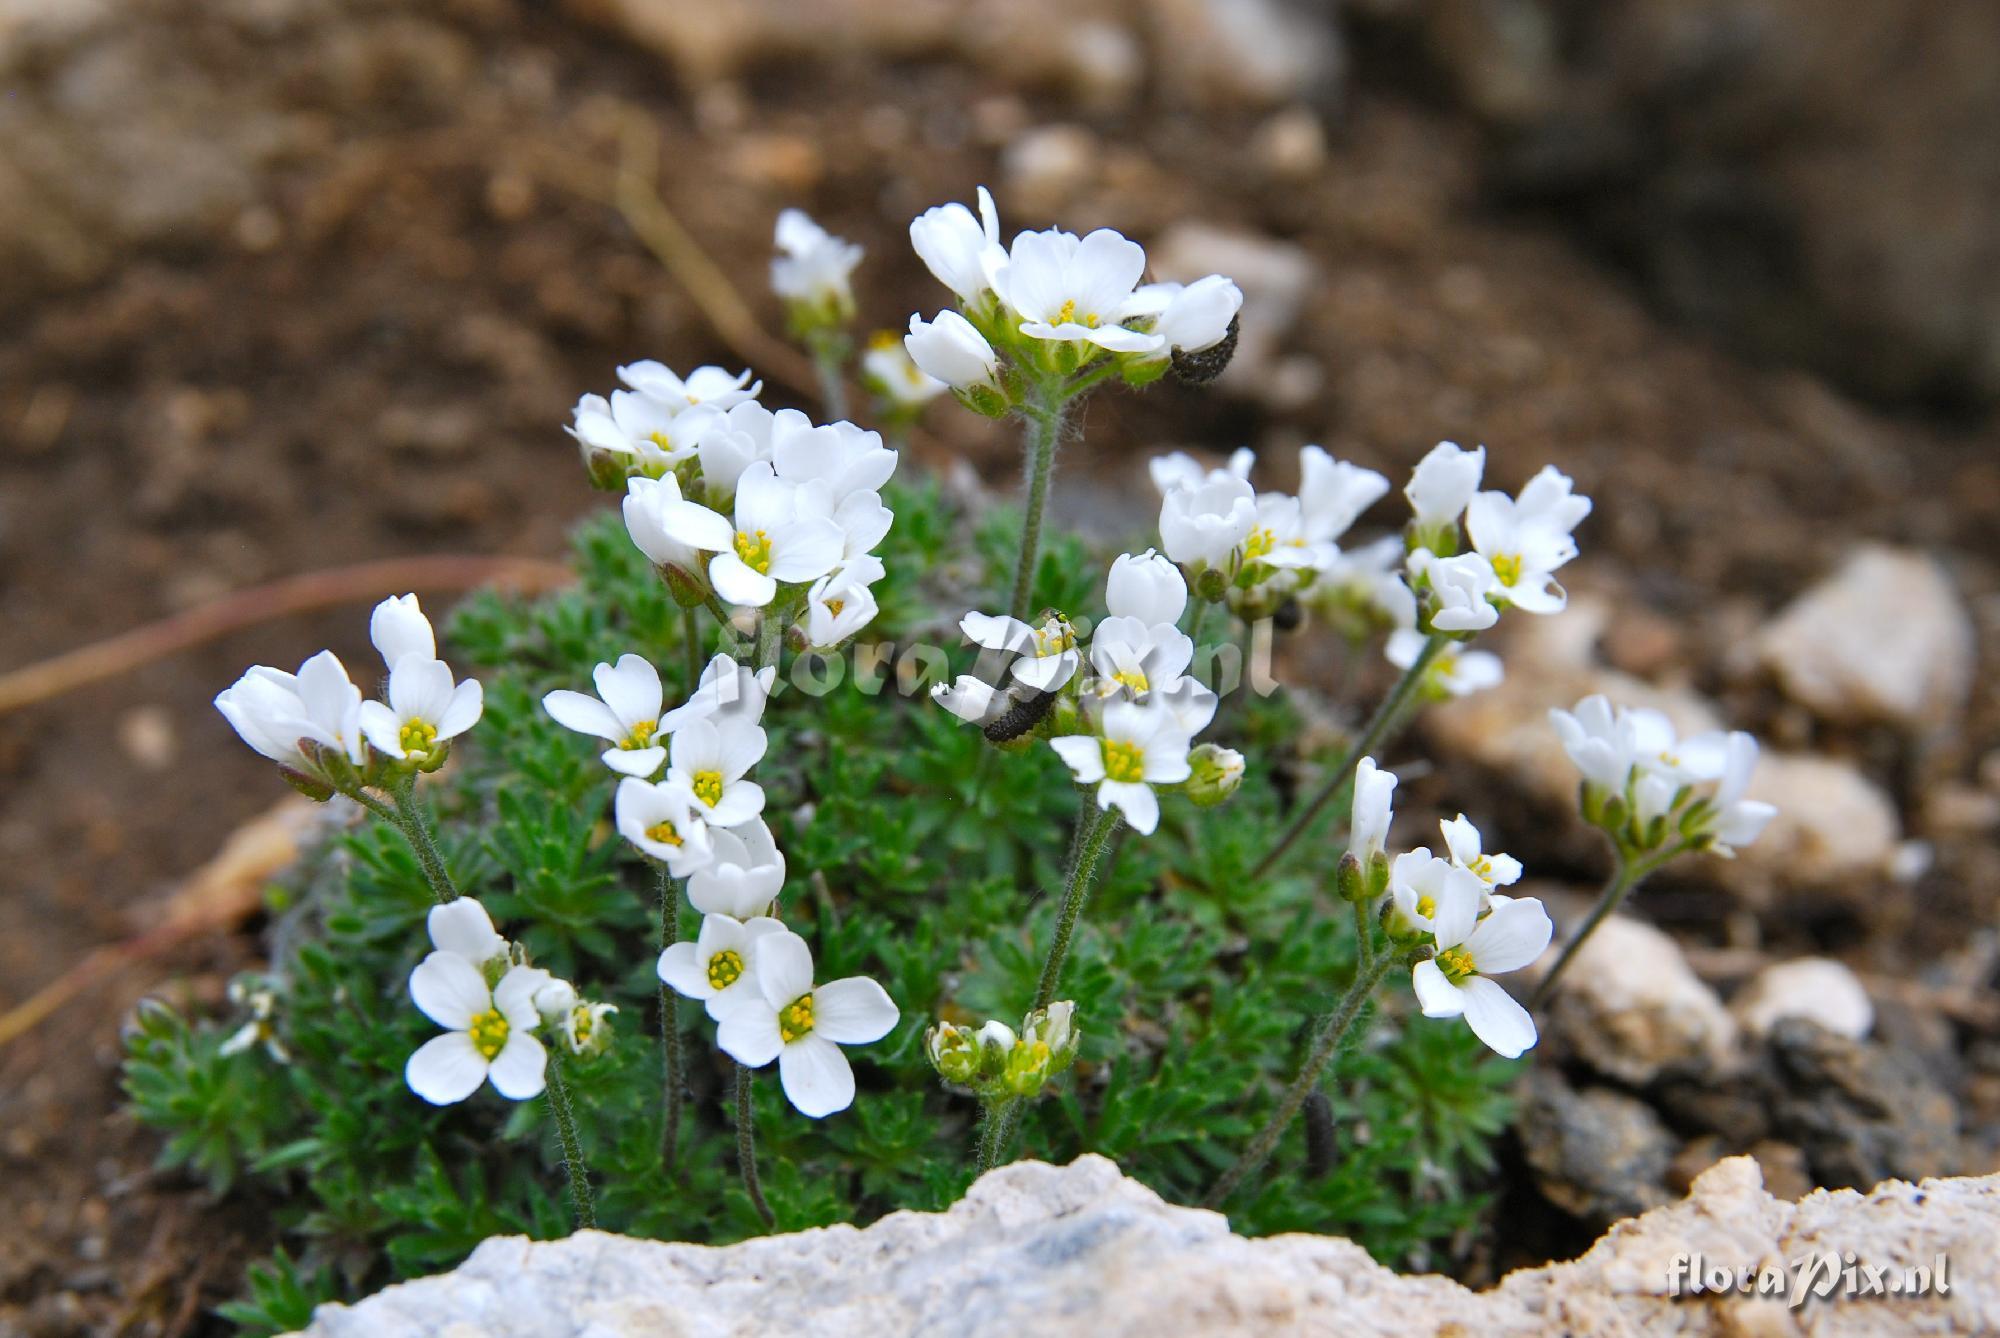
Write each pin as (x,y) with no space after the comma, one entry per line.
(409,817)
(1325,1045)
(691,639)
(1364,936)
(995,1130)
(1626,875)
(572,1147)
(746,1148)
(1096,827)
(1044,411)
(670,1022)
(1378,729)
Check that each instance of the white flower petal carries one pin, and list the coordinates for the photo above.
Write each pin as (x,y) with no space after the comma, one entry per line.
(449,990)
(1496,1018)
(1437,996)
(748,1034)
(519,1070)
(853,1011)
(784,968)
(817,1078)
(445,1069)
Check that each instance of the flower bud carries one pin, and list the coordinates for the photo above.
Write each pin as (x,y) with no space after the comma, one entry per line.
(309,786)
(1350,878)
(996,1042)
(586,1029)
(1212,584)
(1053,1027)
(954,1052)
(607,469)
(687,588)
(1214,773)
(1029,1066)
(984,399)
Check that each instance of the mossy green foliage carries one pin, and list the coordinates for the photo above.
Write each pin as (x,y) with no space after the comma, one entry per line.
(918,854)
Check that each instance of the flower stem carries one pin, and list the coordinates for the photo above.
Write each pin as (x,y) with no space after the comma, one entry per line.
(670,1021)
(691,637)
(1044,410)
(1097,826)
(829,350)
(409,817)
(1378,729)
(746,1148)
(1364,936)
(995,1130)
(1325,1045)
(1626,875)
(572,1147)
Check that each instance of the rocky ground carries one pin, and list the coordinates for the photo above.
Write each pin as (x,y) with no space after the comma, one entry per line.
(297,283)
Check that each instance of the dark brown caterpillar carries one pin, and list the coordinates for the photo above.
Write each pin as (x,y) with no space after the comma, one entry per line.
(1199,368)
(1022,715)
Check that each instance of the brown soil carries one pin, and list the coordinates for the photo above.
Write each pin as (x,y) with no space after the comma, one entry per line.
(376,356)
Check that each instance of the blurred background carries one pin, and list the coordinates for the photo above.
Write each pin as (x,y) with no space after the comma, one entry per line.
(290,285)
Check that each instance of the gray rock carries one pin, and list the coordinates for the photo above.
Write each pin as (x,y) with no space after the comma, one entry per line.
(1597,1154)
(1080,1250)
(1884,638)
(1862,1112)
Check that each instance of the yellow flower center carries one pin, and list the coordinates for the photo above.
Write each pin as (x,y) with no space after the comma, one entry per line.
(641,736)
(708,787)
(1068,316)
(580,1023)
(1124,762)
(1456,963)
(663,832)
(726,968)
(1482,866)
(1427,907)
(1261,541)
(661,440)
(488,1032)
(1054,637)
(795,1019)
(1131,678)
(754,547)
(417,736)
(1507,566)
(834,606)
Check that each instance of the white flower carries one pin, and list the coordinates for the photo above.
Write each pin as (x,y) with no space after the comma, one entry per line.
(1470,949)
(275,712)
(398,627)
(583,1026)
(1333,494)
(1143,746)
(1187,702)
(425,709)
(1462,839)
(262,1028)
(662,818)
(803,1026)
(951,350)
(893,373)
(1147,587)
(462,927)
(840,604)
(489,1034)
(1599,742)
(1279,537)
(1191,317)
(720,966)
(771,540)
(1046,657)
(656,516)
(711,386)
(628,714)
(643,432)
(1455,670)
(1178,469)
(1066,288)
(1525,541)
(1658,750)
(727,691)
(971,699)
(1205,525)
(962,251)
(736,440)
(1733,820)
(1443,483)
(1129,655)
(1462,586)
(1420,884)
(813,266)
(846,458)
(709,758)
(554,997)
(1367,580)
(745,875)
(1368,827)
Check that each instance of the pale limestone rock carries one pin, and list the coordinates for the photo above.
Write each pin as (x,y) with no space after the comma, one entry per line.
(1080,1250)
(1633,1008)
(1817,989)
(1884,638)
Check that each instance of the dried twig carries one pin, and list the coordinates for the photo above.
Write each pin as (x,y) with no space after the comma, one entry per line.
(246,608)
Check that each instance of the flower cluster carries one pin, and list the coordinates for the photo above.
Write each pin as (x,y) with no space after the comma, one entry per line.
(490,1002)
(1121,710)
(1653,792)
(760,508)
(1053,304)
(1445,911)
(702,820)
(994,1061)
(327,740)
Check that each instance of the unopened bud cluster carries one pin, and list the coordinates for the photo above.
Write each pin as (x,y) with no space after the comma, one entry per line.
(994,1061)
